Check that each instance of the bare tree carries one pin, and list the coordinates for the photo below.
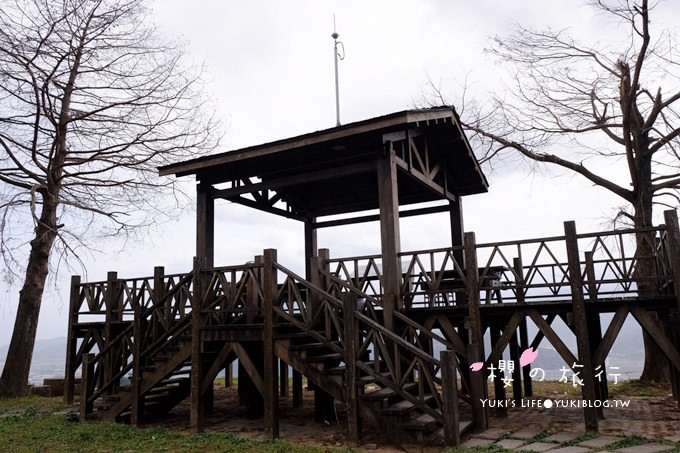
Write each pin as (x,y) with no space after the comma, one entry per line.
(609,114)
(91,102)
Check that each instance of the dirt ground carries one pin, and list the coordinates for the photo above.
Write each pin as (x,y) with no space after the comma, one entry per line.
(650,417)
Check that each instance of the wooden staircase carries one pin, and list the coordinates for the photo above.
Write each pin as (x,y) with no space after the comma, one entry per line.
(386,378)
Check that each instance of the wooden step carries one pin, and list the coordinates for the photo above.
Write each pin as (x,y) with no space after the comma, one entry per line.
(325,357)
(311,346)
(403,407)
(387,392)
(423,422)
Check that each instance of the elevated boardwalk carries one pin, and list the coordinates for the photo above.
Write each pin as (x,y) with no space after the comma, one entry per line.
(389,339)
(143,345)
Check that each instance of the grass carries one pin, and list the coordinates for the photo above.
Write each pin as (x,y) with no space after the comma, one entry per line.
(44,424)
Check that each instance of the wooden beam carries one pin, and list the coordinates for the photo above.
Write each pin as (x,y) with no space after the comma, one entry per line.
(552,337)
(218,364)
(424,179)
(299,178)
(504,339)
(267,208)
(655,331)
(249,366)
(376,217)
(610,336)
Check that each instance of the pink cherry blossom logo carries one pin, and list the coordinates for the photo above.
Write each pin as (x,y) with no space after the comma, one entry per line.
(527,357)
(476,366)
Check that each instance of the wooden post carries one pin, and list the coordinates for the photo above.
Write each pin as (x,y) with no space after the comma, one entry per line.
(581,327)
(389,234)
(283,378)
(520,284)
(113,315)
(457,229)
(72,340)
(86,386)
(311,246)
(524,345)
(205,223)
(517,371)
(472,291)
(271,397)
(478,390)
(196,405)
(498,384)
(673,237)
(229,375)
(673,253)
(297,389)
(159,292)
(137,402)
(450,398)
(351,391)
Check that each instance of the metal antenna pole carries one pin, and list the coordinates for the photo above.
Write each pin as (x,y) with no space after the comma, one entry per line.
(336,55)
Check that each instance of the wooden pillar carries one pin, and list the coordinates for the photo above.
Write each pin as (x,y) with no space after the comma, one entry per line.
(351,390)
(72,341)
(673,253)
(581,327)
(86,386)
(478,390)
(457,229)
(137,402)
(472,290)
(498,384)
(517,371)
(271,396)
(196,405)
(673,238)
(205,224)
(524,345)
(283,378)
(388,200)
(297,389)
(113,315)
(450,398)
(311,245)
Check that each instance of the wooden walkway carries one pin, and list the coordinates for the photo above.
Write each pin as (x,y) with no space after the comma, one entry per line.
(143,345)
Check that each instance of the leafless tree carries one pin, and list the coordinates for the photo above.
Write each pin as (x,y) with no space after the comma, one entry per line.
(92,100)
(607,113)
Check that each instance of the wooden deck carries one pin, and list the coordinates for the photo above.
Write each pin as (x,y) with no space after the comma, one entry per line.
(142,345)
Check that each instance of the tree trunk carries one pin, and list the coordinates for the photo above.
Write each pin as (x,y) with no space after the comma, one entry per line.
(14,380)
(656,367)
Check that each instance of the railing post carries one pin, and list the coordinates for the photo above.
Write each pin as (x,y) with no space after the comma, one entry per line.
(136,403)
(196,405)
(271,396)
(86,386)
(673,235)
(673,247)
(478,390)
(349,301)
(450,398)
(581,326)
(159,292)
(472,291)
(72,340)
(113,314)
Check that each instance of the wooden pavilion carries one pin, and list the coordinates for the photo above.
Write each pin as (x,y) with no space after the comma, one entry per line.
(388,337)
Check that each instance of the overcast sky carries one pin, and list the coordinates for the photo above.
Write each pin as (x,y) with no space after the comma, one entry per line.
(269,67)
